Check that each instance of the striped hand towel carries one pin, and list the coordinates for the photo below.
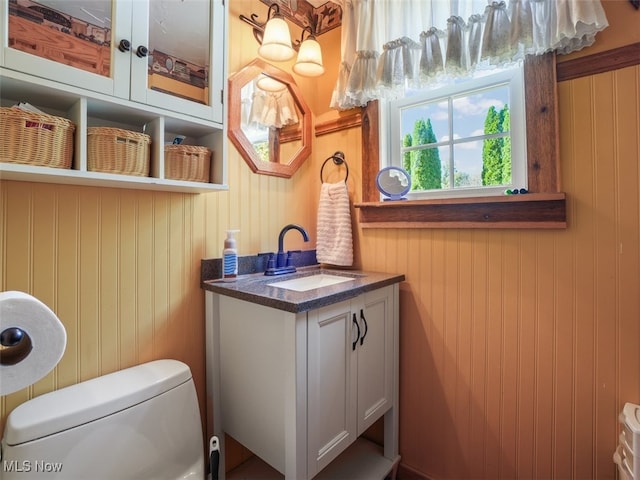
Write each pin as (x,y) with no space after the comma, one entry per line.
(335,240)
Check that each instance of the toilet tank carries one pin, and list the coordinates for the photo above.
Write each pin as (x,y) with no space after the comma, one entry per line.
(139,423)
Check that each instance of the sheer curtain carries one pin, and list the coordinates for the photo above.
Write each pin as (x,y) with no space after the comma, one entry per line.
(389,46)
(261,108)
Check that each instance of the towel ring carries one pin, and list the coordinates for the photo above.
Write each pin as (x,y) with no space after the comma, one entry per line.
(338,159)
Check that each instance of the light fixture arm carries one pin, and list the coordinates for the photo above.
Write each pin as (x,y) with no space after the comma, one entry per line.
(274,9)
(297,43)
(258,27)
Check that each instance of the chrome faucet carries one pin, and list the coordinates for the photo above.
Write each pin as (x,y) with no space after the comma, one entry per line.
(283,262)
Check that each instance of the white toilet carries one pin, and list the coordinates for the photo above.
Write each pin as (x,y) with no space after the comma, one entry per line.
(139,423)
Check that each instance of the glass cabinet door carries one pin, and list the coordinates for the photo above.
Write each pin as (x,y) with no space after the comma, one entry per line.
(175,44)
(155,52)
(68,41)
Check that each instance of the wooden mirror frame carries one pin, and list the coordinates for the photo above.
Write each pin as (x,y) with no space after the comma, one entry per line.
(274,167)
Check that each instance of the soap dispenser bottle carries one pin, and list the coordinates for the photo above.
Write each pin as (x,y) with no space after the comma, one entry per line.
(230,258)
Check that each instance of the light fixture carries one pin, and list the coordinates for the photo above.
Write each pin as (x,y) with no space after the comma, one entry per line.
(275,43)
(273,35)
(309,61)
(270,84)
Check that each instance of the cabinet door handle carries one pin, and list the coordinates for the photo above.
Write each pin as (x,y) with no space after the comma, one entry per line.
(355,342)
(142,51)
(125,45)
(366,327)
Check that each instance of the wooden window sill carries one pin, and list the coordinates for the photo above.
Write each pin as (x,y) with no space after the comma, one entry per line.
(531,210)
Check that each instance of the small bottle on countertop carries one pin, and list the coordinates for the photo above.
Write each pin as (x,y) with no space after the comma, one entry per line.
(230,258)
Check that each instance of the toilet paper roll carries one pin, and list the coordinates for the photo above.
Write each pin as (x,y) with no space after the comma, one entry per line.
(32,341)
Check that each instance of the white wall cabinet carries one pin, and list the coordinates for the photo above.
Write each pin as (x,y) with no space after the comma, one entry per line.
(46,60)
(173,58)
(299,390)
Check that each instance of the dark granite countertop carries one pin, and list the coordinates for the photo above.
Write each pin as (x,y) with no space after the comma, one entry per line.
(254,288)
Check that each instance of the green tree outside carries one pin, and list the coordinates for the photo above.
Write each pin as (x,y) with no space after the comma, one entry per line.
(460,179)
(406,158)
(496,152)
(426,170)
(505,126)
(262,149)
(492,150)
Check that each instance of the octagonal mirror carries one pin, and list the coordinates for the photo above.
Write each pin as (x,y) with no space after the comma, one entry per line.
(269,121)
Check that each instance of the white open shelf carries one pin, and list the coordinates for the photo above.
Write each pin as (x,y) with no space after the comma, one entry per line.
(87,109)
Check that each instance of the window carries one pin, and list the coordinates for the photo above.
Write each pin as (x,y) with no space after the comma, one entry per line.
(465,139)
(543,207)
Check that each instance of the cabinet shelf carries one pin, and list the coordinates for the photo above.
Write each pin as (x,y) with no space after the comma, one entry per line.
(86,108)
(27,173)
(363,460)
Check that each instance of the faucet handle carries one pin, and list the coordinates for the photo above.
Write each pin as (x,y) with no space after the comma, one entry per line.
(269,260)
(290,257)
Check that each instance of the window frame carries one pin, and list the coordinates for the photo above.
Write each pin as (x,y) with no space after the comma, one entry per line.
(543,207)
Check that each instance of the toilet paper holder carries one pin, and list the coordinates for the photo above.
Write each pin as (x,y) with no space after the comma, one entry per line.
(15,346)
(32,340)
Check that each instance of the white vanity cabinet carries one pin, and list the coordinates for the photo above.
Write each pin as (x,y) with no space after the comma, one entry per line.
(160,53)
(351,372)
(299,389)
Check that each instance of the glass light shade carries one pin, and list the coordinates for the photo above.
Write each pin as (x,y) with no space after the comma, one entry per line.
(276,41)
(309,62)
(269,84)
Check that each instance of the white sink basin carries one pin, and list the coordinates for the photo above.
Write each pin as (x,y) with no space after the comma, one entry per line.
(304,284)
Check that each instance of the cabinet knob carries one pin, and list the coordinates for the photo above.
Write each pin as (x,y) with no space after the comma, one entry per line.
(142,51)
(125,45)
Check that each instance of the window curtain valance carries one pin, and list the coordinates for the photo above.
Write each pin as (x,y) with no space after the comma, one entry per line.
(389,46)
(261,108)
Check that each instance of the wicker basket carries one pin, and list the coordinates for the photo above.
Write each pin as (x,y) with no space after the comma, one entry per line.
(35,139)
(113,150)
(187,162)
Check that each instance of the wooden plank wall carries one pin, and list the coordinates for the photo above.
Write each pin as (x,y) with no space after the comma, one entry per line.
(518,348)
